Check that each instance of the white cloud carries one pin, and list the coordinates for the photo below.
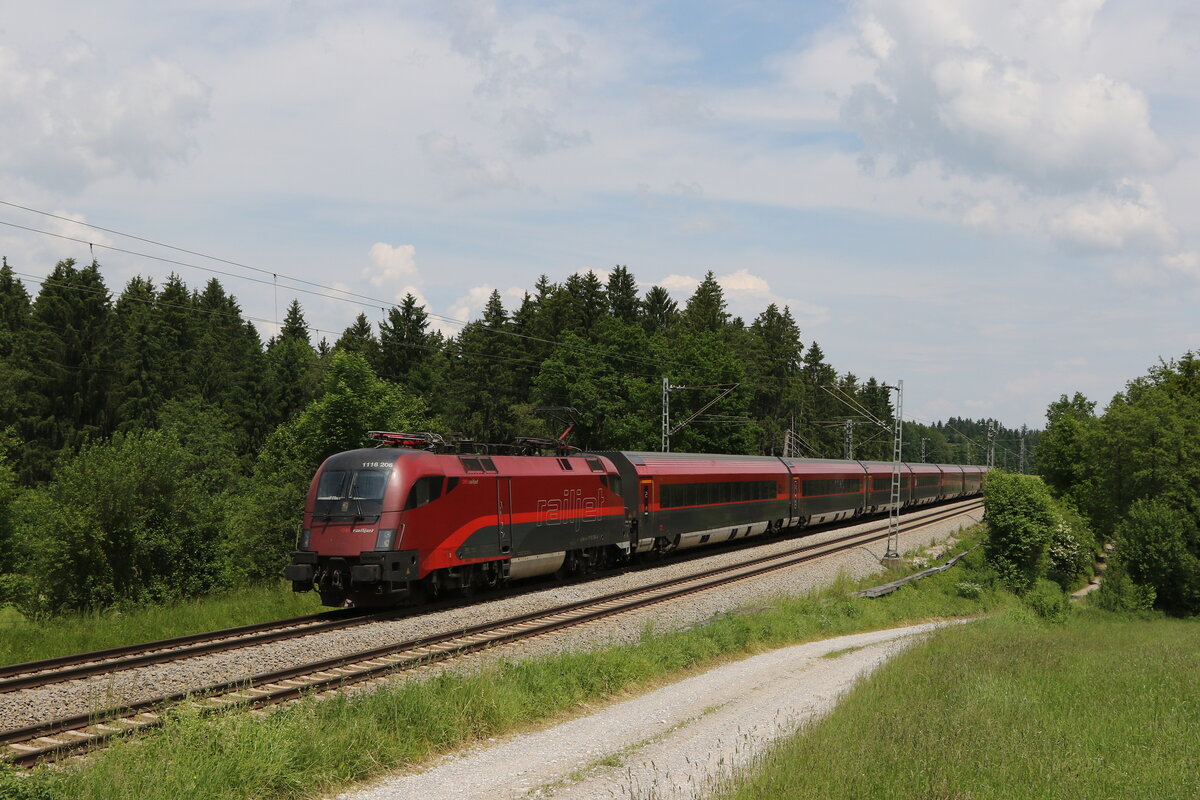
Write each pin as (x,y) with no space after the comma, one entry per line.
(1131,216)
(747,295)
(984,93)
(983,215)
(533,132)
(1186,263)
(393,268)
(69,118)
(467,173)
(743,282)
(679,284)
(470,305)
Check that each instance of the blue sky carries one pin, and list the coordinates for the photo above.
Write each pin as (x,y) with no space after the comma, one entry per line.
(992,201)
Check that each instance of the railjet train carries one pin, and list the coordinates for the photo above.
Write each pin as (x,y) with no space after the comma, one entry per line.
(412,519)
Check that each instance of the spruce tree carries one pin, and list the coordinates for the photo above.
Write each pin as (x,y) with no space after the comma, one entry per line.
(71,365)
(659,311)
(622,295)
(360,338)
(481,392)
(773,365)
(706,310)
(139,348)
(292,375)
(16,311)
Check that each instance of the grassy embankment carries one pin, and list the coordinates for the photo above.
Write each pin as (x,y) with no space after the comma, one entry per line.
(314,747)
(29,640)
(1100,707)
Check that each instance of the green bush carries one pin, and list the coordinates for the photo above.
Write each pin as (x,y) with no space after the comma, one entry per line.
(1118,593)
(1048,601)
(1153,548)
(1071,553)
(133,520)
(1021,524)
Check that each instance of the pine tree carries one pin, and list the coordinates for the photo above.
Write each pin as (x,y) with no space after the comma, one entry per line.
(408,352)
(360,338)
(292,375)
(227,366)
(622,295)
(819,406)
(659,311)
(586,304)
(17,401)
(481,392)
(177,325)
(138,347)
(773,365)
(71,365)
(705,310)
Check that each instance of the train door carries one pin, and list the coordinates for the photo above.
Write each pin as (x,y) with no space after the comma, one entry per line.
(644,491)
(504,513)
(794,508)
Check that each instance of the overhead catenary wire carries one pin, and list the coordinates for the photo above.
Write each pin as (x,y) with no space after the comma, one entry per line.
(244,317)
(367,301)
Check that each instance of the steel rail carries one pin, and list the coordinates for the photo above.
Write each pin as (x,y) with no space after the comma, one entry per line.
(51,739)
(34,674)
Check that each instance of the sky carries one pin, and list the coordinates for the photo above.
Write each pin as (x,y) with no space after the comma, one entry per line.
(991,201)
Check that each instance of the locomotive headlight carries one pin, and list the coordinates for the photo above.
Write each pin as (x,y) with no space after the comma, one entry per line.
(385,538)
(305,538)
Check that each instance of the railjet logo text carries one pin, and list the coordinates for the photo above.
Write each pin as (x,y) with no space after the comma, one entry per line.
(573,505)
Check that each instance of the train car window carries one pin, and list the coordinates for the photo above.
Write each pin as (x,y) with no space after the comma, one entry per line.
(881,484)
(820,486)
(424,490)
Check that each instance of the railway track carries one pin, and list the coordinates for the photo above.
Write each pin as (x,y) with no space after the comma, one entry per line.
(32,674)
(52,739)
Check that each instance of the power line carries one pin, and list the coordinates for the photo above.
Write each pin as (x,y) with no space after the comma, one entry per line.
(374,301)
(565,370)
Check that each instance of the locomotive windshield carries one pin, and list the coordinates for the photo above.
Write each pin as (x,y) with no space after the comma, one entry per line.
(351,492)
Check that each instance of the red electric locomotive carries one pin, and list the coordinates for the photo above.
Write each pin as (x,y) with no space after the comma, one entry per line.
(383,524)
(388,524)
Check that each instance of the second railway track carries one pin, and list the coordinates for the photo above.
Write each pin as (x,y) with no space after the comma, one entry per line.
(51,739)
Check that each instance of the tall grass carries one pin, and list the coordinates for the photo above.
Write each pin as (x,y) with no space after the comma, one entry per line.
(314,747)
(1011,708)
(29,640)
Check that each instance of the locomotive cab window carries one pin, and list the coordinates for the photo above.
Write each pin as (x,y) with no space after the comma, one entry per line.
(351,492)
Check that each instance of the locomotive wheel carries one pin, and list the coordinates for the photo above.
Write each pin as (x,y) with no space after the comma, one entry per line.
(431,586)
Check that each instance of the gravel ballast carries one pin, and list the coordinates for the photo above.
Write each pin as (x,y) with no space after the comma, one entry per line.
(32,706)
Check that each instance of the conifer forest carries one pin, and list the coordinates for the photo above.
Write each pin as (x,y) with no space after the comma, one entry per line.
(156,447)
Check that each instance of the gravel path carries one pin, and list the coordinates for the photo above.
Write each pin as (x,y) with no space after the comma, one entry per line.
(675,742)
(36,705)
